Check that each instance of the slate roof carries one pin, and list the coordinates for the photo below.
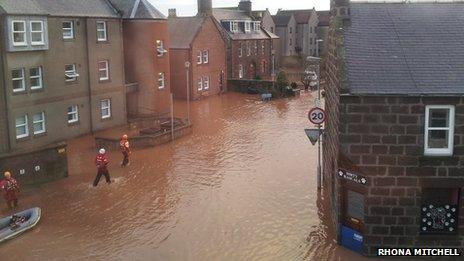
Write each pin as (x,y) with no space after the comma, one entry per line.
(74,8)
(182,30)
(281,19)
(230,14)
(301,16)
(405,48)
(137,9)
(324,18)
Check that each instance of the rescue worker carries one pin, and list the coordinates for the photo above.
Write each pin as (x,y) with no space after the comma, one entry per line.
(10,190)
(125,149)
(101,161)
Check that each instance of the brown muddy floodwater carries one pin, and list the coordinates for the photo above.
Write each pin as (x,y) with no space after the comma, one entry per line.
(241,187)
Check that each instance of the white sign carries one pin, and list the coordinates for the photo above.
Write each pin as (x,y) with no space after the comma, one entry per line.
(316,116)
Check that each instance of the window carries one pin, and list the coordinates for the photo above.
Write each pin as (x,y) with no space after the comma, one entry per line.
(240,71)
(200,84)
(272,29)
(38,123)
(199,57)
(263,67)
(439,211)
(103,70)
(160,48)
(205,57)
(35,78)
(17,77)
(206,82)
(248,48)
(439,130)
(256,47)
(101,31)
(256,26)
(161,81)
(70,72)
(68,30)
(19,33)
(240,50)
(247,27)
(37,33)
(105,106)
(73,114)
(291,42)
(291,29)
(233,26)
(263,46)
(22,129)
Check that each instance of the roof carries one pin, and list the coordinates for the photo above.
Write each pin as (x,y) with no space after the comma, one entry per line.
(229,14)
(81,8)
(405,49)
(301,16)
(182,30)
(324,18)
(137,9)
(282,19)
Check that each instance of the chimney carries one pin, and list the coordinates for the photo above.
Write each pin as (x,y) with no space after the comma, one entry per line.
(172,12)
(245,5)
(205,7)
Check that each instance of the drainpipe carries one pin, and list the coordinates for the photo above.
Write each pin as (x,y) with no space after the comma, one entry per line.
(88,76)
(5,83)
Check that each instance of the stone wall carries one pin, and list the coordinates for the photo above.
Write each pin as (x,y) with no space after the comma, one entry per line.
(384,137)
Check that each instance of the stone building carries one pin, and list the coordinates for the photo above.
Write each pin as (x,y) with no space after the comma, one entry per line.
(62,76)
(265,17)
(146,59)
(199,41)
(306,30)
(393,145)
(285,25)
(322,32)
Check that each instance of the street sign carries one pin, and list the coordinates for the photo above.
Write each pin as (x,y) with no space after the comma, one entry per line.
(316,116)
(314,134)
(353,177)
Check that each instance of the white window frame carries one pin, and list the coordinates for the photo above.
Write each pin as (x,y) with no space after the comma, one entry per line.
(200,84)
(206,56)
(240,71)
(74,113)
(42,122)
(161,80)
(240,50)
(70,29)
(39,77)
(248,48)
(257,25)
(199,57)
(25,125)
(106,70)
(13,32)
(22,79)
(256,47)
(71,74)
(247,27)
(263,46)
(206,83)
(41,32)
(104,108)
(439,152)
(104,30)
(160,48)
(233,26)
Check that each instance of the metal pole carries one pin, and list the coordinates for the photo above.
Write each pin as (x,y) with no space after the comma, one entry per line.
(172,116)
(188,95)
(319,168)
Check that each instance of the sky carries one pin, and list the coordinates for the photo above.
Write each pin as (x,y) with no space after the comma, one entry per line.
(189,7)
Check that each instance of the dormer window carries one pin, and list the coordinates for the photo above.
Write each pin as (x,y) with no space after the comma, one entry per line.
(247,27)
(233,26)
(256,26)
(19,33)
(37,33)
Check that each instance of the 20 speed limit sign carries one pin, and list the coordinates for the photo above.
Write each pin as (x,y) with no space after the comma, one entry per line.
(317,116)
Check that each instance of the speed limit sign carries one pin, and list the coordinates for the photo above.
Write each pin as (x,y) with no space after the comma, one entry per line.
(317,116)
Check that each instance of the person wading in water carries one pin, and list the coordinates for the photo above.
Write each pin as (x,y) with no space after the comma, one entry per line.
(101,161)
(10,190)
(125,149)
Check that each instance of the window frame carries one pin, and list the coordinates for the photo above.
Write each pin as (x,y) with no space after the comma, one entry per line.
(434,151)
(263,47)
(247,26)
(76,112)
(103,108)
(71,29)
(233,26)
(39,77)
(22,79)
(240,71)
(206,82)
(240,50)
(199,57)
(106,70)
(25,125)
(13,32)
(161,80)
(256,26)
(41,32)
(205,56)
(71,79)
(42,122)
(200,84)
(104,30)
(160,48)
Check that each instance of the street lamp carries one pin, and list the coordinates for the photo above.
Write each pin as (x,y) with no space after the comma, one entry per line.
(187,73)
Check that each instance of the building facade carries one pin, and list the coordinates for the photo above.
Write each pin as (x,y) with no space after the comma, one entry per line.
(393,141)
(322,32)
(146,59)
(198,41)
(285,25)
(265,17)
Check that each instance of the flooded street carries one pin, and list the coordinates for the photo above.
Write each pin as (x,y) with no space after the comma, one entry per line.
(241,187)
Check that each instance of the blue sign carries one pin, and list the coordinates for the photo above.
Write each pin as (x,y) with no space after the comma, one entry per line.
(352,239)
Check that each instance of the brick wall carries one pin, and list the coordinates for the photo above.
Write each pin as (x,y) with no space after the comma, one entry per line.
(384,137)
(254,58)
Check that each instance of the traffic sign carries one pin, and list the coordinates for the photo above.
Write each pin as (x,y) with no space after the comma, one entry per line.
(316,116)
(314,134)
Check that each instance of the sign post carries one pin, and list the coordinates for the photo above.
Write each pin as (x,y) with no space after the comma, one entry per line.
(317,116)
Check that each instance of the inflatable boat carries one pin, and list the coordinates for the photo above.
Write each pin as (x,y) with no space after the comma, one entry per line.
(31,216)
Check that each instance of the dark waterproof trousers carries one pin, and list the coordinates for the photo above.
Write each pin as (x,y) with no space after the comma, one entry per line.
(125,160)
(99,175)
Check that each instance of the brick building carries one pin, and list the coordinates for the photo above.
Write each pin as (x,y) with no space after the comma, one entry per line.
(393,146)
(49,93)
(146,59)
(199,41)
(251,52)
(265,17)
